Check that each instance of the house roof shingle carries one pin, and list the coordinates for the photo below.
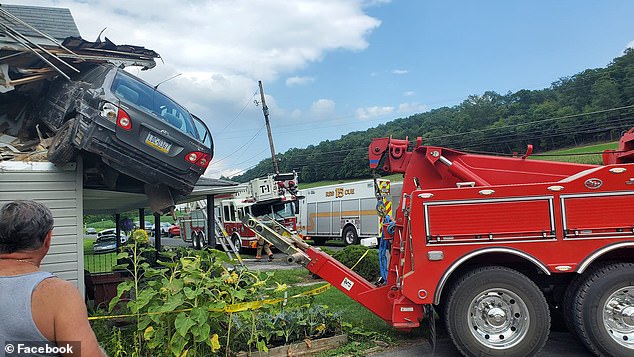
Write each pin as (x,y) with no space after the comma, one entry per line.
(56,22)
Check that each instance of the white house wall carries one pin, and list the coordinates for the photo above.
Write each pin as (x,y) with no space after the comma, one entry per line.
(60,189)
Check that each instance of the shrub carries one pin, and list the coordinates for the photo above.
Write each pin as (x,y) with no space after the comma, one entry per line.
(368,267)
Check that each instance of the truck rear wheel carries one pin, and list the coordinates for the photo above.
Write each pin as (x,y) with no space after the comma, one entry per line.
(350,235)
(603,310)
(237,242)
(61,150)
(568,302)
(495,311)
(196,240)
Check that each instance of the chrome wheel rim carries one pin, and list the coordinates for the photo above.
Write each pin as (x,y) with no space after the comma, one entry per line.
(618,316)
(349,237)
(498,318)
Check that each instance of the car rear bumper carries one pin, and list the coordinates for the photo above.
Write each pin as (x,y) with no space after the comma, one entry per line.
(130,161)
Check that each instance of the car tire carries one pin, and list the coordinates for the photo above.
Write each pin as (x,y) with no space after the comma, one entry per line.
(170,235)
(61,150)
(350,236)
(602,310)
(497,311)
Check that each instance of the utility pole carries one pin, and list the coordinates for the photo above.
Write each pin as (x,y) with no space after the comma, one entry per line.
(265,109)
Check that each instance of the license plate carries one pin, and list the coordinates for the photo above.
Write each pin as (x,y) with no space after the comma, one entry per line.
(158,143)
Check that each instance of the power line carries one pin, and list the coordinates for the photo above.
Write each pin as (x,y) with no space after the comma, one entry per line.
(239,113)
(243,145)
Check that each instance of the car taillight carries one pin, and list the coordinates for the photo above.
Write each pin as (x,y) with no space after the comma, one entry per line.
(123,120)
(199,158)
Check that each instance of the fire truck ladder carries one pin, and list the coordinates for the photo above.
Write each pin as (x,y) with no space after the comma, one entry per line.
(225,241)
(278,235)
(221,235)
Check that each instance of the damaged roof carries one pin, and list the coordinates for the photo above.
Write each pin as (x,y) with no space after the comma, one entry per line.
(39,43)
(45,82)
(54,21)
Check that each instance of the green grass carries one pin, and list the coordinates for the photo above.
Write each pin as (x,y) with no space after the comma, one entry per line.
(366,327)
(291,276)
(589,154)
(352,312)
(101,225)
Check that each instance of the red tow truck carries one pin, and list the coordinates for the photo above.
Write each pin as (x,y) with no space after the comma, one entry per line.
(498,245)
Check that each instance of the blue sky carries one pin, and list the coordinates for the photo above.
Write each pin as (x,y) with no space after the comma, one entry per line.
(334,66)
(433,54)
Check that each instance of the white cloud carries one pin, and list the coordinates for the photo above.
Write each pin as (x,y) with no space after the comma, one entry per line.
(412,108)
(409,93)
(297,81)
(322,108)
(223,47)
(375,2)
(400,71)
(296,114)
(630,45)
(372,112)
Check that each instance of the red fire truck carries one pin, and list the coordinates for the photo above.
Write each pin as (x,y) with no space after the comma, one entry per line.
(273,196)
(498,245)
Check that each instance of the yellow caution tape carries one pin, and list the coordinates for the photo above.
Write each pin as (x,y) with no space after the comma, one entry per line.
(359,261)
(243,306)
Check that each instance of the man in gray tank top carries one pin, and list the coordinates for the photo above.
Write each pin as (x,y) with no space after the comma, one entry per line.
(36,308)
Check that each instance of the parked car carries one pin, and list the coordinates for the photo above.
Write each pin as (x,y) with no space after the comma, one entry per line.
(105,244)
(149,227)
(123,239)
(91,230)
(173,231)
(164,228)
(130,126)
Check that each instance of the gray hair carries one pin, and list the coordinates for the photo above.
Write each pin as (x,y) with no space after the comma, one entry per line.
(24,226)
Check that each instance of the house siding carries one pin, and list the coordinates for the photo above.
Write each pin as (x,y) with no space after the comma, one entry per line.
(60,189)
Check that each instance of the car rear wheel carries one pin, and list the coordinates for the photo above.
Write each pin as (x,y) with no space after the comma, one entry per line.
(61,150)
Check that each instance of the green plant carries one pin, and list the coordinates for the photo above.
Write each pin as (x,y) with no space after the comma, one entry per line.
(368,267)
(194,303)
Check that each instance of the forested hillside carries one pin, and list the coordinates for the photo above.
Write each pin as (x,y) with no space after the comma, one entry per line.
(593,105)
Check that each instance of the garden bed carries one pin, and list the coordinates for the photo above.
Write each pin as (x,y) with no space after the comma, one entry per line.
(307,347)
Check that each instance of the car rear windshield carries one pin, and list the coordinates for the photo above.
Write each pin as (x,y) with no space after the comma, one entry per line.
(130,89)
